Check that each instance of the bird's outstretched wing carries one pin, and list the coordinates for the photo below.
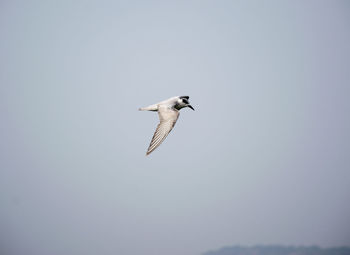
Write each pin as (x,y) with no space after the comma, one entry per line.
(168,118)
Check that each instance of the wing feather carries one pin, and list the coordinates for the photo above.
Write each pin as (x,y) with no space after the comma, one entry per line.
(168,118)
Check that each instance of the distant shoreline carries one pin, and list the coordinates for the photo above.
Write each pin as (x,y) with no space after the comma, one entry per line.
(279,250)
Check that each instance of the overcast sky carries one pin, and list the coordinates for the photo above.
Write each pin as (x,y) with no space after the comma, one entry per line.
(264,159)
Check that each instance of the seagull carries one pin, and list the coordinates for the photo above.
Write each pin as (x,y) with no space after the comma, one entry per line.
(168,111)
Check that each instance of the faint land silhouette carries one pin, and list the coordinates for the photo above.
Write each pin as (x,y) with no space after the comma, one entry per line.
(279,250)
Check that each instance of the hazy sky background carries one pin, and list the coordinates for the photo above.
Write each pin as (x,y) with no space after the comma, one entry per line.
(264,159)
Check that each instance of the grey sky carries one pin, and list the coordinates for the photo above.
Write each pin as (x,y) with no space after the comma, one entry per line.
(265,158)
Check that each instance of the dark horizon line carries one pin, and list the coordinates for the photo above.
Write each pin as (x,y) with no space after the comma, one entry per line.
(276,246)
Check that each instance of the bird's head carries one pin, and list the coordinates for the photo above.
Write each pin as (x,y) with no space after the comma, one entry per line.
(183,102)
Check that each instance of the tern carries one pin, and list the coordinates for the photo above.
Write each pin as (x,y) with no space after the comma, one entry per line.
(168,111)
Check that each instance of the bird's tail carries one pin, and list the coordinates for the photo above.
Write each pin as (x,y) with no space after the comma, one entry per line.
(152,107)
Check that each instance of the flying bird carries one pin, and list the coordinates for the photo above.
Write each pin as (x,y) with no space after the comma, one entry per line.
(168,111)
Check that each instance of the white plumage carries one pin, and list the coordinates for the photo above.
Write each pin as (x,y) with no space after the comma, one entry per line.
(168,112)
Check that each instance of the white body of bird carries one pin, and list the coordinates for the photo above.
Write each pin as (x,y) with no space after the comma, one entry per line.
(168,111)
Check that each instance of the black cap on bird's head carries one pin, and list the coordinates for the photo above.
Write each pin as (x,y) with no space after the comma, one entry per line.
(184,99)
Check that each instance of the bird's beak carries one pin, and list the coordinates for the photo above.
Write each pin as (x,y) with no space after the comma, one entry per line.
(190,107)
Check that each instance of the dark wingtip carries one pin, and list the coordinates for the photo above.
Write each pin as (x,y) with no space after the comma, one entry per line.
(187,97)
